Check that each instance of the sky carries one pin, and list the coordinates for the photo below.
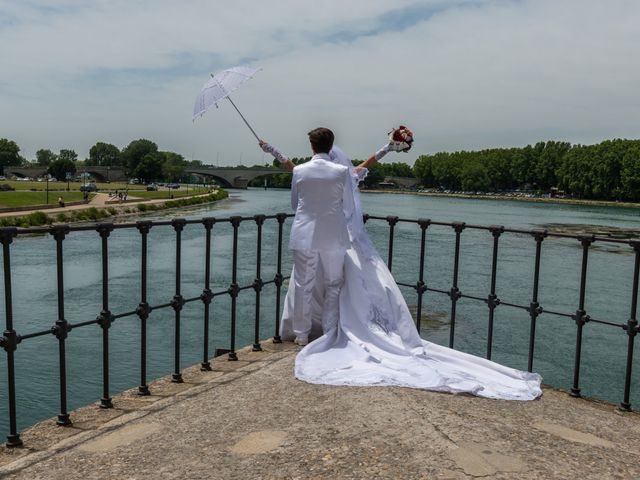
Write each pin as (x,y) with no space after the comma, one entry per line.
(462,74)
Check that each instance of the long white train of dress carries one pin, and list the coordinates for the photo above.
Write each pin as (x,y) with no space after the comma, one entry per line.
(375,341)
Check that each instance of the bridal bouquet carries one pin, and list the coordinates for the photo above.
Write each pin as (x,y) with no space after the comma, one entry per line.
(401,139)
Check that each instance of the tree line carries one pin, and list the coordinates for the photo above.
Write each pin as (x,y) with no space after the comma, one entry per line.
(140,159)
(607,170)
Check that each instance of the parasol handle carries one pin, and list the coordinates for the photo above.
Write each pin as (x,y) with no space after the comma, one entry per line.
(245,120)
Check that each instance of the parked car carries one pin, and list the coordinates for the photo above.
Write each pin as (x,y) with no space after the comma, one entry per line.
(173,185)
(152,187)
(88,187)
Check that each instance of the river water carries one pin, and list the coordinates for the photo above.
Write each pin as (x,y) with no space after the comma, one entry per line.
(35,307)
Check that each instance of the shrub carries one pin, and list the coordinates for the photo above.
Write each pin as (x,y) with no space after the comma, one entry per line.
(62,218)
(37,218)
(92,213)
(80,215)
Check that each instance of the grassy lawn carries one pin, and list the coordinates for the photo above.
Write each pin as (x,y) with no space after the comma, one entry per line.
(22,199)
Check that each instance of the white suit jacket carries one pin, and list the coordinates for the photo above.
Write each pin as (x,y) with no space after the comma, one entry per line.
(322,197)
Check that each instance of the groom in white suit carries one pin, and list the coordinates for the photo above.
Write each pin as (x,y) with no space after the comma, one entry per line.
(322,198)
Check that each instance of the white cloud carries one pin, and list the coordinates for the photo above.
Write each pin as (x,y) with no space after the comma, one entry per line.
(468,75)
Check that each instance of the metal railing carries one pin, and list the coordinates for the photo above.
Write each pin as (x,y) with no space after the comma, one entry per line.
(534,308)
(11,339)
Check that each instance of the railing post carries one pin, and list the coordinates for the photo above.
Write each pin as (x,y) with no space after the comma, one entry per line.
(455,293)
(10,339)
(391,220)
(257,283)
(178,301)
(105,319)
(62,327)
(631,327)
(581,316)
(279,279)
(143,309)
(420,285)
(207,295)
(534,308)
(492,300)
(234,289)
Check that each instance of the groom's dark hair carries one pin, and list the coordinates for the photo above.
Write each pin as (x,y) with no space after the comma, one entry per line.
(321,140)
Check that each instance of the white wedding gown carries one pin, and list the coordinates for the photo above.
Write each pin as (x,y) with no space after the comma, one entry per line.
(375,341)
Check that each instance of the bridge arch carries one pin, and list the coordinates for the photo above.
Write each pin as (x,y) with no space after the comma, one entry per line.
(222,181)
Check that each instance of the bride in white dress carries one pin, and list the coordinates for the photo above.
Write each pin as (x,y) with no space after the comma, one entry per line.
(375,341)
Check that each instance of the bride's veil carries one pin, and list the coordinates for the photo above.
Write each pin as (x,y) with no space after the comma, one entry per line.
(358,233)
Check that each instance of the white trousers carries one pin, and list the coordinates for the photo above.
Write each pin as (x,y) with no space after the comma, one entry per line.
(313,295)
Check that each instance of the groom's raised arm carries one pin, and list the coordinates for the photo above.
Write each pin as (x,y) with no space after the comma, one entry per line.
(278,155)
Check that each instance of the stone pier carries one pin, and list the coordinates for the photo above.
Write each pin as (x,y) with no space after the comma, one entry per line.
(252,419)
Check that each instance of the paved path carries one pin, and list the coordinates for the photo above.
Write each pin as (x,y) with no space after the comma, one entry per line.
(252,419)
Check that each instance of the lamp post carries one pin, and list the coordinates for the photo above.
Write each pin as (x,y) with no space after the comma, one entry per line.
(46,177)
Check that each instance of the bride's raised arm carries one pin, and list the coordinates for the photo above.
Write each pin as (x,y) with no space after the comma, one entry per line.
(400,140)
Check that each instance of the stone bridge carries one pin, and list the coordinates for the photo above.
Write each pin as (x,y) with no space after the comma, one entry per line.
(232,177)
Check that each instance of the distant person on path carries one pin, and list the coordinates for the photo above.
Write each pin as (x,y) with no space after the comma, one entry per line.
(60,202)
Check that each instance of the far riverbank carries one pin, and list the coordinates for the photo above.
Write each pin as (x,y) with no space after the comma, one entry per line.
(564,201)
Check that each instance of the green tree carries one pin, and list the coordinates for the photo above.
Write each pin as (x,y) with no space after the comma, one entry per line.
(423,170)
(133,154)
(548,162)
(66,154)
(45,157)
(150,167)
(396,169)
(172,166)
(104,155)
(60,167)
(630,174)
(446,169)
(375,175)
(9,153)
(474,177)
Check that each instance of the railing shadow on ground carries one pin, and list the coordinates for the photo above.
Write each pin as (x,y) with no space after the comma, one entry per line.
(10,339)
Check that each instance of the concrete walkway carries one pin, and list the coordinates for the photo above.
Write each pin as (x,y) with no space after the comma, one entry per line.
(252,419)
